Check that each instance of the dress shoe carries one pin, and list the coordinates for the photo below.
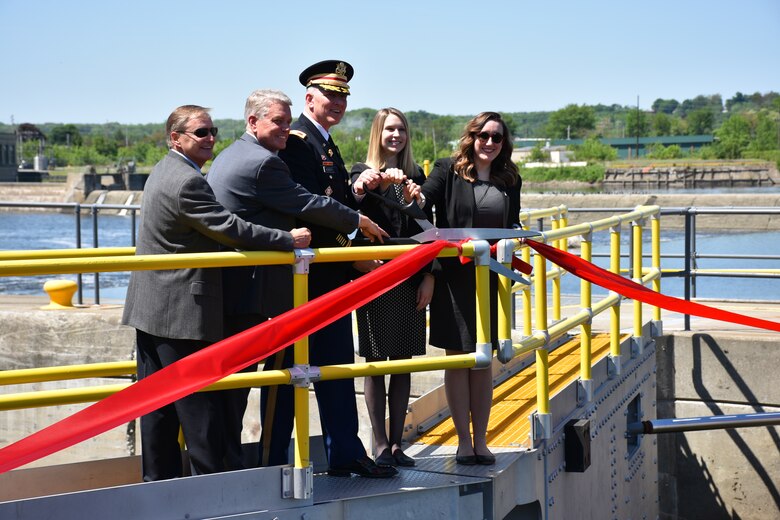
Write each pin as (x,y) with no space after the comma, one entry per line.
(385,458)
(363,467)
(402,459)
(466,460)
(486,460)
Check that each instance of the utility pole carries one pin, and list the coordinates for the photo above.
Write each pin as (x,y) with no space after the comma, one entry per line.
(637,126)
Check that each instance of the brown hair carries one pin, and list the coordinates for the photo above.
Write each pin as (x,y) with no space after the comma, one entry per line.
(179,119)
(374,157)
(502,170)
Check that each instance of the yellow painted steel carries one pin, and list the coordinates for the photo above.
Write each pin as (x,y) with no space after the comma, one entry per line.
(514,400)
(542,381)
(527,306)
(39,254)
(39,375)
(401,366)
(655,244)
(88,394)
(540,291)
(556,281)
(614,258)
(504,302)
(636,229)
(545,381)
(482,280)
(301,393)
(586,253)
(93,264)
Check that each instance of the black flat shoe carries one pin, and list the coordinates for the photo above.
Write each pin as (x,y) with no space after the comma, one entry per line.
(466,460)
(486,460)
(363,467)
(385,458)
(402,459)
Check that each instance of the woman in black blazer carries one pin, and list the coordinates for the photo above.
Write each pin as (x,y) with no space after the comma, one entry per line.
(478,187)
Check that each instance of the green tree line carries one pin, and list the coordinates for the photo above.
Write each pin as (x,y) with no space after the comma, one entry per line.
(744,126)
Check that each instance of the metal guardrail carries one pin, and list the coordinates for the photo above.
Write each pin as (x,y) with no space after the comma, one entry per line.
(94,211)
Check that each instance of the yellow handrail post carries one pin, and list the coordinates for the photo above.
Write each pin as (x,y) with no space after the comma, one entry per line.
(482,281)
(557,223)
(527,305)
(542,423)
(614,335)
(637,345)
(303,474)
(585,388)
(504,253)
(655,236)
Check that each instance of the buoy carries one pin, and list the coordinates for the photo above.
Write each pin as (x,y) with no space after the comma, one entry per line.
(60,294)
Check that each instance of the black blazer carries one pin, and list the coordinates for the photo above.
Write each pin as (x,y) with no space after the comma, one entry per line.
(317,165)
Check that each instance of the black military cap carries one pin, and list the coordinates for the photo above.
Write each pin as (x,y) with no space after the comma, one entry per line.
(332,75)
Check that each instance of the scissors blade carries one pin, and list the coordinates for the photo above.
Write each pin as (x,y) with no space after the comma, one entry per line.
(505,271)
(472,233)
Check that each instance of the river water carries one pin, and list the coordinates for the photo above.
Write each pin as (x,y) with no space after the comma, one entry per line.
(33,230)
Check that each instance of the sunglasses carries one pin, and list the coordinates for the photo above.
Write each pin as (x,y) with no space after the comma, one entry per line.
(203,132)
(495,136)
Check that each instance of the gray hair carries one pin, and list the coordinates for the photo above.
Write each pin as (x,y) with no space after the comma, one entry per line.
(259,101)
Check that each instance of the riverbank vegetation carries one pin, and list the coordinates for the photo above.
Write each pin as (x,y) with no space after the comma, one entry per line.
(745,126)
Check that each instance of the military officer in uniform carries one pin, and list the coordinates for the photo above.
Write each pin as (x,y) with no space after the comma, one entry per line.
(315,163)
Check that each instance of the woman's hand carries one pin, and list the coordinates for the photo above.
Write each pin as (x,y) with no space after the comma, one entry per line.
(412,191)
(425,291)
(392,176)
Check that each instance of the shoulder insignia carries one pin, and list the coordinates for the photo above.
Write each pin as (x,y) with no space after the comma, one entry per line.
(299,134)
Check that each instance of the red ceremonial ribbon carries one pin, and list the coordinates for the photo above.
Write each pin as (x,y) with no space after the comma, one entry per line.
(613,282)
(211,364)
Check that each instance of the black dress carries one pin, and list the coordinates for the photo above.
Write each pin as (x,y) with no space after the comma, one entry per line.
(463,204)
(390,325)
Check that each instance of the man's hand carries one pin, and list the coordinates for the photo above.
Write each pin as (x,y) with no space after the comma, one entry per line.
(301,237)
(368,180)
(366,266)
(371,231)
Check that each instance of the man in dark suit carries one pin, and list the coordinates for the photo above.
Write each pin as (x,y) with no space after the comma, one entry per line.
(177,312)
(316,164)
(250,180)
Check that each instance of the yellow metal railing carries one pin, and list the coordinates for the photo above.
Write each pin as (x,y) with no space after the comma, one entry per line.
(538,338)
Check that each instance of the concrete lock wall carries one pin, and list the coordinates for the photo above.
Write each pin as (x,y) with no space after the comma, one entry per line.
(718,474)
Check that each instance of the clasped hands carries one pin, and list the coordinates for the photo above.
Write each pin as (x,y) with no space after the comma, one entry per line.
(371,179)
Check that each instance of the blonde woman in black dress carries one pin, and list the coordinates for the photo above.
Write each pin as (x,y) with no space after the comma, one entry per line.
(393,325)
(478,187)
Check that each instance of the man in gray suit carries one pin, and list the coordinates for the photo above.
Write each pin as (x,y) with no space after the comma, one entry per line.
(252,181)
(177,312)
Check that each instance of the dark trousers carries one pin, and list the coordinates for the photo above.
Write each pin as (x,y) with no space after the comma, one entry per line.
(234,402)
(199,415)
(335,399)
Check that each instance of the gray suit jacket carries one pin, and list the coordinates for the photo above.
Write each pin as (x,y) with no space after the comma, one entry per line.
(256,185)
(181,215)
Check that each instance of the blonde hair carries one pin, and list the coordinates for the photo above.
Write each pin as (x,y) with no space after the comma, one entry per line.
(374,158)
(502,169)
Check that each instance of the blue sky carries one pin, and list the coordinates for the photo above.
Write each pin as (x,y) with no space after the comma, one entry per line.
(134,61)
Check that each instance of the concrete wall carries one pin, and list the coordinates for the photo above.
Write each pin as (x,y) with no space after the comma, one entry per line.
(719,474)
